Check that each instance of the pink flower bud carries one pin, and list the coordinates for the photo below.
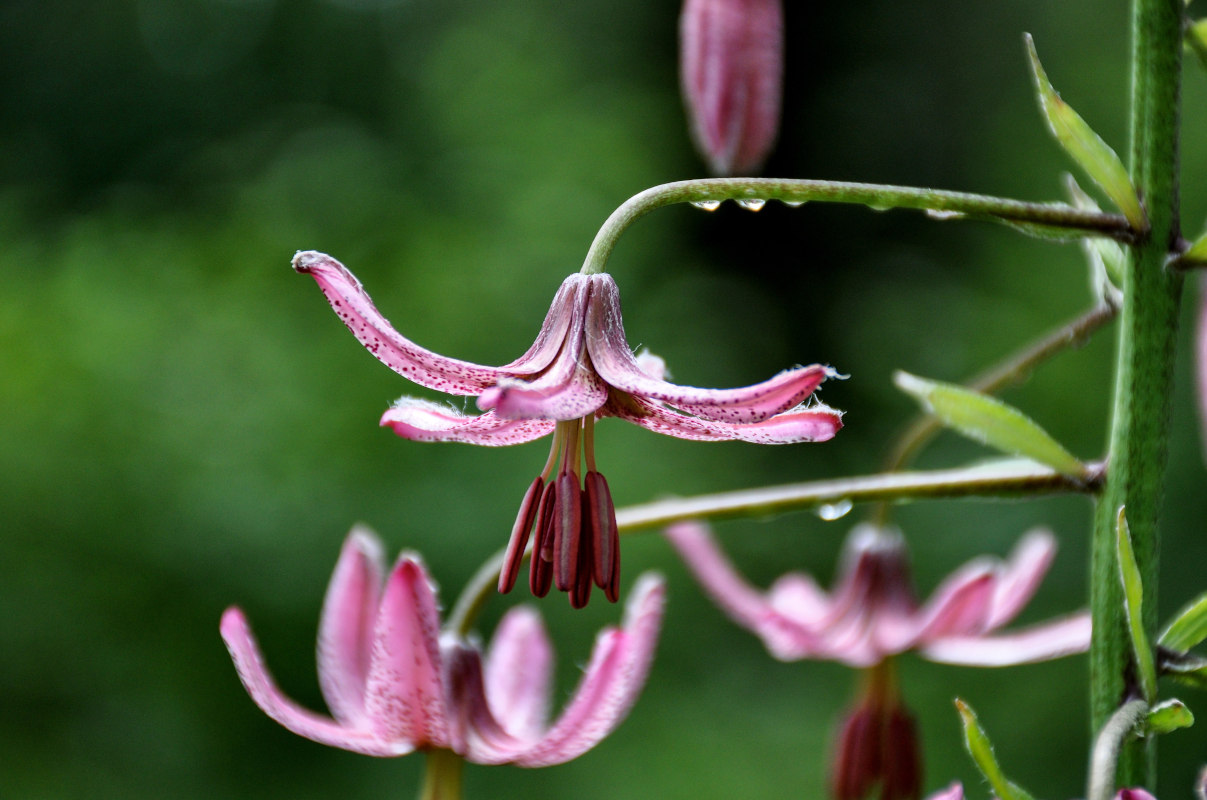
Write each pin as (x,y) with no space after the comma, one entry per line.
(732,61)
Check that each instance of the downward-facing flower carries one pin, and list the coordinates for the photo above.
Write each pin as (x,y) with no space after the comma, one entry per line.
(870,616)
(579,369)
(395,684)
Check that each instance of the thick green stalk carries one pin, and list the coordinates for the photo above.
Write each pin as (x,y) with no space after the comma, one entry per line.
(1143,379)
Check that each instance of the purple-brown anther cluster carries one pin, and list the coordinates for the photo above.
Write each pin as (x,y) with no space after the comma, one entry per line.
(877,749)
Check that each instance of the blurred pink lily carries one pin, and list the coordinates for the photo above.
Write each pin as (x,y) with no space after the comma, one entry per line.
(871,613)
(580,368)
(956,792)
(395,684)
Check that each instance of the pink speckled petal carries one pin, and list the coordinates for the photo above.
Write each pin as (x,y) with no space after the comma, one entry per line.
(355,308)
(249,663)
(568,389)
(1061,637)
(615,363)
(346,625)
(1021,575)
(817,424)
(519,673)
(484,740)
(425,421)
(405,688)
(570,301)
(619,665)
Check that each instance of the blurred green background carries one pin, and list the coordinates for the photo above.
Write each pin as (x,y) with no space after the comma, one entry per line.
(186,425)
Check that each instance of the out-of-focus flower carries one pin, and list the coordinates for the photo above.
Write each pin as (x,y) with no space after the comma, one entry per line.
(870,616)
(871,612)
(732,65)
(395,684)
(579,369)
(956,792)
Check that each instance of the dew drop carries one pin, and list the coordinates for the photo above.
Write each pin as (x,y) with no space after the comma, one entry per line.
(836,510)
(936,213)
(753,204)
(793,203)
(707,205)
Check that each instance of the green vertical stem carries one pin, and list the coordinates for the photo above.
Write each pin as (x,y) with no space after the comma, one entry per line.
(442,776)
(1147,332)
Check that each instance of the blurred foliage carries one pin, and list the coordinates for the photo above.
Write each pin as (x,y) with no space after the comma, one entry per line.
(186,425)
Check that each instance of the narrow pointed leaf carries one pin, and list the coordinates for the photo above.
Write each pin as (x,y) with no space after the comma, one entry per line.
(1168,716)
(1185,668)
(1197,251)
(1196,40)
(1133,592)
(1093,155)
(989,420)
(1188,628)
(981,750)
(1106,256)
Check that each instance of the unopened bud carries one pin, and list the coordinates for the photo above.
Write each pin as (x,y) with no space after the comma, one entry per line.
(732,62)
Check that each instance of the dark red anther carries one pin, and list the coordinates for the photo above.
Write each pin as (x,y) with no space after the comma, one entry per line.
(604,536)
(877,747)
(519,535)
(540,575)
(567,527)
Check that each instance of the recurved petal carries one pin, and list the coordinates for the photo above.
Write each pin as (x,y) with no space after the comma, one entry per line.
(615,363)
(619,665)
(786,637)
(479,736)
(346,625)
(519,673)
(405,689)
(249,663)
(816,424)
(1021,575)
(355,308)
(569,302)
(568,389)
(1061,637)
(960,606)
(425,421)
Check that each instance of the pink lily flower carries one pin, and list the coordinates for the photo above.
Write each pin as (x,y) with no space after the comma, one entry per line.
(394,683)
(956,792)
(870,616)
(732,65)
(871,613)
(580,368)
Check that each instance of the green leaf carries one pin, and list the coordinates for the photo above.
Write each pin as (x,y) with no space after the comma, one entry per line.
(989,420)
(1106,256)
(1185,668)
(1133,593)
(1188,628)
(1170,715)
(1196,39)
(981,750)
(1197,251)
(1092,154)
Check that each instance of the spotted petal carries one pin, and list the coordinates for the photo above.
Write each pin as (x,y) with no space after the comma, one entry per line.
(355,308)
(519,673)
(613,679)
(346,625)
(425,421)
(816,424)
(405,688)
(615,363)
